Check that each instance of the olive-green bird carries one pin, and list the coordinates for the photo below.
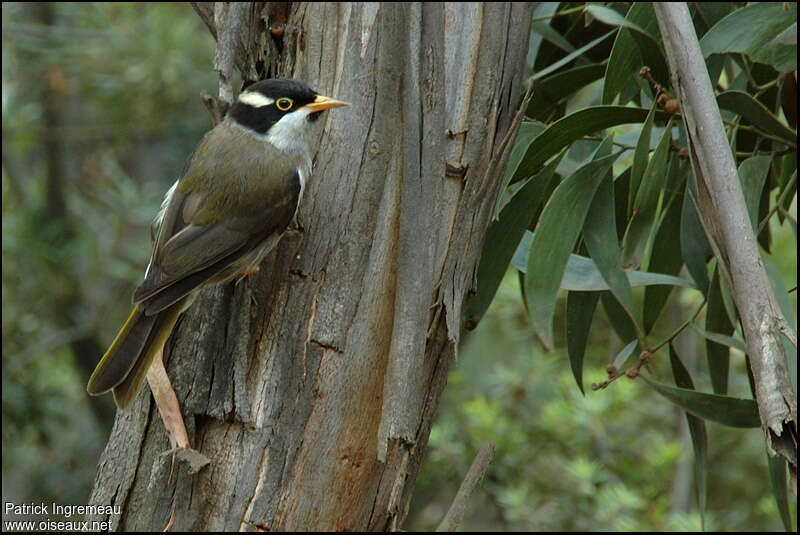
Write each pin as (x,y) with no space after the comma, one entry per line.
(238,193)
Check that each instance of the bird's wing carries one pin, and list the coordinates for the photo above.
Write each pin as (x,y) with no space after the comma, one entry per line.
(193,245)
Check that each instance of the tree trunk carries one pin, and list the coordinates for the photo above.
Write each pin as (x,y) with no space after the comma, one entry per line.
(312,386)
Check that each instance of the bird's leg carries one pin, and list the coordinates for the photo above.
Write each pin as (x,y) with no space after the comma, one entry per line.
(167,403)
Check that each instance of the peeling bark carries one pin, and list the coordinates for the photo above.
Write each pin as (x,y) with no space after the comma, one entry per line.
(312,386)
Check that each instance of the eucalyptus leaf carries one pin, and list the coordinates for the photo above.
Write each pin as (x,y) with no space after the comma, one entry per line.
(608,16)
(751,31)
(717,333)
(634,244)
(697,430)
(550,34)
(578,322)
(777,479)
(503,237)
(753,174)
(719,338)
(713,12)
(726,410)
(559,226)
(695,248)
(666,258)
(561,85)
(570,57)
(622,357)
(573,127)
(582,275)
(780,291)
(625,59)
(600,237)
(528,131)
(641,156)
(750,108)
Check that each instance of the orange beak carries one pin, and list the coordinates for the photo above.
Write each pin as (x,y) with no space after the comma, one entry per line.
(322,103)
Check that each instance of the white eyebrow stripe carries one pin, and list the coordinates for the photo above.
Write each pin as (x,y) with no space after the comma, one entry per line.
(255,99)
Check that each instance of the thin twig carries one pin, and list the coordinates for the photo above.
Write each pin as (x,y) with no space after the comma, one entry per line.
(474,476)
(680,329)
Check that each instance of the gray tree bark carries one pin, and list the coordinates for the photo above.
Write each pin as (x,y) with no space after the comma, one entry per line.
(723,213)
(312,386)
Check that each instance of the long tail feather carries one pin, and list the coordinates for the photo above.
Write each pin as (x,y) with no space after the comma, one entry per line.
(120,358)
(125,391)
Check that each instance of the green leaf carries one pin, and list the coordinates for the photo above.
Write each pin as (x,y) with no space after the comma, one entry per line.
(559,226)
(694,244)
(582,275)
(527,133)
(625,59)
(726,410)
(753,174)
(619,319)
(608,16)
(572,127)
(722,339)
(637,236)
(578,321)
(600,237)
(665,258)
(561,85)
(621,187)
(787,180)
(549,33)
(717,322)
(750,30)
(749,108)
(504,235)
(641,156)
(786,37)
(569,57)
(779,289)
(713,12)
(697,430)
(622,357)
(777,479)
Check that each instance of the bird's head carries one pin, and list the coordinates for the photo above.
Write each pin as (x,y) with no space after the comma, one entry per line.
(280,110)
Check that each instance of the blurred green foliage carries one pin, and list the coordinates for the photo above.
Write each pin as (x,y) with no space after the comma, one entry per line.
(617,459)
(100,109)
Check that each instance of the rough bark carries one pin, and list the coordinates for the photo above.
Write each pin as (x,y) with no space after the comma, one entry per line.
(312,386)
(723,214)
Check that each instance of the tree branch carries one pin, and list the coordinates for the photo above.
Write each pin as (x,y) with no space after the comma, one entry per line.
(474,476)
(728,227)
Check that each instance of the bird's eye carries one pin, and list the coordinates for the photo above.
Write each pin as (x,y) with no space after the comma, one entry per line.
(284,103)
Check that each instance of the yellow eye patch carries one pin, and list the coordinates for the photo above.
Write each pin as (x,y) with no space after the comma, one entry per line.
(284,103)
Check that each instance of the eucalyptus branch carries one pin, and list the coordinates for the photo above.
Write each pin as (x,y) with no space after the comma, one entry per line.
(755,130)
(723,214)
(647,355)
(679,330)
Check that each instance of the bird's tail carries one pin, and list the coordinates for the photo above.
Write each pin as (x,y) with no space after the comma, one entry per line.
(125,364)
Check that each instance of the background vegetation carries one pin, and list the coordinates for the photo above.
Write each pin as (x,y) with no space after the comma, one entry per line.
(100,109)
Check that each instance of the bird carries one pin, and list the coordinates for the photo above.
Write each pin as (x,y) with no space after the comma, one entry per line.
(237,194)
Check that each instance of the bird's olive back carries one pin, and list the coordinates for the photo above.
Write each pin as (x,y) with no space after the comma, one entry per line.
(238,174)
